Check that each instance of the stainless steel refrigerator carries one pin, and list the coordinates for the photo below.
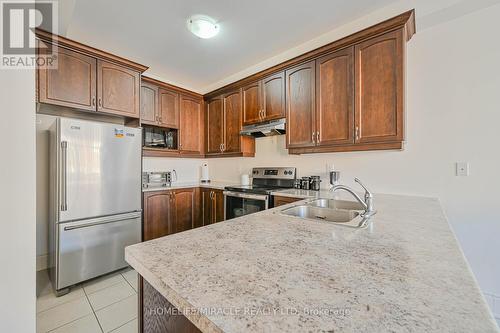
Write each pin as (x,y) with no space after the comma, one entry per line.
(95,199)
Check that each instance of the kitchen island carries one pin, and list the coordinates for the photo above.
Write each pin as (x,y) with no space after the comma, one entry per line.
(267,272)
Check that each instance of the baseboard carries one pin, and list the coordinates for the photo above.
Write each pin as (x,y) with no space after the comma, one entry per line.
(42,262)
(494,304)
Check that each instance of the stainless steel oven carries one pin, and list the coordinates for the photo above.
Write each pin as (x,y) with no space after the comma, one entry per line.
(237,204)
(247,199)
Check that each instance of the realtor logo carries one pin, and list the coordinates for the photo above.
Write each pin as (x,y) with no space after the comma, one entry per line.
(19,46)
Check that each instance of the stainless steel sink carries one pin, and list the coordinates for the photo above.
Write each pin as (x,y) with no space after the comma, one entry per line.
(342,212)
(336,204)
(324,214)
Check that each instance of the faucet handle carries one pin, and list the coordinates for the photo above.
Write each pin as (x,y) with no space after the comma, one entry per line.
(368,193)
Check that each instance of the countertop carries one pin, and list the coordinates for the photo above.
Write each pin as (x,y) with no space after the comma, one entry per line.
(267,272)
(176,185)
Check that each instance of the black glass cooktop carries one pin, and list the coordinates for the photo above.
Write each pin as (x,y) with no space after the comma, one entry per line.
(257,189)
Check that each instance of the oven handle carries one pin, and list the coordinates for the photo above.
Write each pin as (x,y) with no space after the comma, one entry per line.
(247,195)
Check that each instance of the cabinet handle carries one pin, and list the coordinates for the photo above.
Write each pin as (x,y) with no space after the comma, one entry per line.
(100,102)
(312,137)
(357,133)
(93,101)
(223,147)
(317,137)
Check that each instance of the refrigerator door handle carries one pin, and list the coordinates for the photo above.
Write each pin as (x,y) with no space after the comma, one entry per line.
(104,220)
(64,167)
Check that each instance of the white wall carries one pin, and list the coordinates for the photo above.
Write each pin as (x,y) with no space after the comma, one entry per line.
(17,201)
(453,112)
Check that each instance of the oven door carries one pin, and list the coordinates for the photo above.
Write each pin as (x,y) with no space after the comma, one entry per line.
(237,204)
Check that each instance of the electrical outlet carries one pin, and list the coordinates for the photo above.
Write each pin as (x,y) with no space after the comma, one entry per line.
(462,169)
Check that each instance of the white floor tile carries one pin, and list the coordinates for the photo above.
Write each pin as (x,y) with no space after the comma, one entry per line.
(107,296)
(102,282)
(87,324)
(49,300)
(62,314)
(118,314)
(132,277)
(130,327)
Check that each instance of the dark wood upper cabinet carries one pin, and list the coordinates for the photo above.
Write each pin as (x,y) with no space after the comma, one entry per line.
(168,108)
(335,98)
(149,103)
(252,105)
(379,88)
(232,122)
(72,84)
(191,125)
(214,126)
(273,96)
(157,215)
(300,105)
(118,89)
(183,209)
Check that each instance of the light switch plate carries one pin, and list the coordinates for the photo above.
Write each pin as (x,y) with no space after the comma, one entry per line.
(462,169)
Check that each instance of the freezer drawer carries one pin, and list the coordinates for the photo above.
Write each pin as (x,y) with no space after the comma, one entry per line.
(90,248)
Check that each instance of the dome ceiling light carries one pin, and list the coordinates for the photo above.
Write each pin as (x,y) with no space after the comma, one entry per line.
(203,26)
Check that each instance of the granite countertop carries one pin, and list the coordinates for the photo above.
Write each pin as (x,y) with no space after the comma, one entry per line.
(304,194)
(176,185)
(267,272)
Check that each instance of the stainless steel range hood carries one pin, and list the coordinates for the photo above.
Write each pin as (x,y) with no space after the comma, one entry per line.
(274,127)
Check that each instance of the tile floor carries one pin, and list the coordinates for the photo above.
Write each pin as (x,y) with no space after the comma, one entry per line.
(105,304)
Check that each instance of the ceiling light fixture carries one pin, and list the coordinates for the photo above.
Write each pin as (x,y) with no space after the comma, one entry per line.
(202,26)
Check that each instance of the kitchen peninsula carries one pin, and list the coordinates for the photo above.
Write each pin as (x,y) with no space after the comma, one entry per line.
(271,272)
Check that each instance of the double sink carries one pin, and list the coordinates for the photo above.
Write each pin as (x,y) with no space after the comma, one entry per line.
(342,212)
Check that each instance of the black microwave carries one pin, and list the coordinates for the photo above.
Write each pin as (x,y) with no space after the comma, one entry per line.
(156,137)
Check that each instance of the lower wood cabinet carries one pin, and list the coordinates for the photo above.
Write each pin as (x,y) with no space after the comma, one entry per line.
(280,201)
(212,206)
(171,211)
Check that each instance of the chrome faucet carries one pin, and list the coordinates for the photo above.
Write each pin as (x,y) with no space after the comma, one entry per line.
(367,203)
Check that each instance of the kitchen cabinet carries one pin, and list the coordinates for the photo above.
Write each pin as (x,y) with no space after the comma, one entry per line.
(280,201)
(118,89)
(223,126)
(170,211)
(264,100)
(379,88)
(168,108)
(335,98)
(212,206)
(191,126)
(157,214)
(300,105)
(183,209)
(149,103)
(214,126)
(73,84)
(347,95)
(88,79)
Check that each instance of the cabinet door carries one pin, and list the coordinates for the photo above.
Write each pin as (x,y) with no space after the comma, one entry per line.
(335,98)
(183,211)
(149,103)
(191,125)
(379,88)
(300,106)
(118,89)
(206,206)
(157,214)
(72,84)
(273,96)
(232,122)
(251,103)
(168,108)
(215,126)
(218,205)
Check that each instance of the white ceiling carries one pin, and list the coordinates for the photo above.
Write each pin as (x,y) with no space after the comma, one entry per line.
(154,32)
